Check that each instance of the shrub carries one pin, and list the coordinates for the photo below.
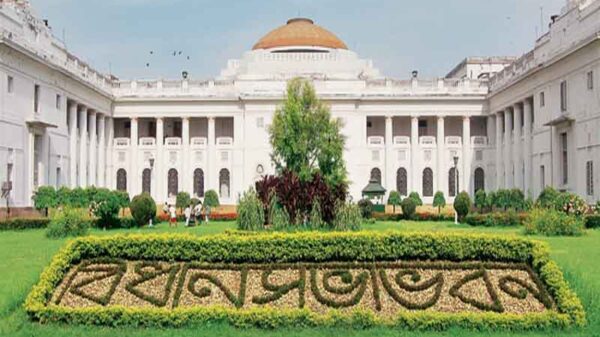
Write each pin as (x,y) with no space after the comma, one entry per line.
(571,204)
(182,200)
(348,217)
(194,202)
(280,219)
(316,218)
(78,198)
(107,210)
(409,207)
(496,219)
(250,212)
(480,200)
(592,221)
(415,196)
(23,223)
(516,199)
(502,199)
(63,196)
(547,198)
(439,201)
(211,199)
(462,205)
(394,199)
(143,208)
(366,208)
(223,216)
(44,198)
(552,222)
(490,200)
(68,222)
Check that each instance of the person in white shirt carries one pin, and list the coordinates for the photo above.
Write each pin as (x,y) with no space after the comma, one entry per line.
(187,212)
(198,213)
(173,218)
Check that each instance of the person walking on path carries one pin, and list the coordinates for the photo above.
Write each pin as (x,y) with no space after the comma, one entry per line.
(188,213)
(173,216)
(198,213)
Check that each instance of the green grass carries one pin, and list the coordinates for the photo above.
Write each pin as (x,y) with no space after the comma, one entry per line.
(25,254)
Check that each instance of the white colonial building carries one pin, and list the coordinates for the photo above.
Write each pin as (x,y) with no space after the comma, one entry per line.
(526,122)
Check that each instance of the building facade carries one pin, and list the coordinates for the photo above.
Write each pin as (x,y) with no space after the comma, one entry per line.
(510,122)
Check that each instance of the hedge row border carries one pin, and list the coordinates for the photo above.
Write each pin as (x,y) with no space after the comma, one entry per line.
(306,247)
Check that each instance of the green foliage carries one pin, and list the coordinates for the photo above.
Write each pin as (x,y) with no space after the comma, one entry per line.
(123,197)
(211,199)
(409,208)
(44,198)
(591,221)
(348,217)
(292,248)
(194,202)
(23,223)
(497,219)
(480,200)
(490,200)
(280,219)
(462,205)
(415,196)
(143,208)
(366,208)
(106,209)
(304,138)
(251,215)
(551,222)
(547,198)
(315,219)
(394,199)
(516,200)
(68,222)
(502,199)
(78,198)
(439,201)
(182,200)
(571,204)
(63,195)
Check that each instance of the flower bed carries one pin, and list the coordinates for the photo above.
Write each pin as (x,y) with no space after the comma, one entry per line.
(306,279)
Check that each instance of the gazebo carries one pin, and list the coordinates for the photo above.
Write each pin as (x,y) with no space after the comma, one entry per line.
(374,192)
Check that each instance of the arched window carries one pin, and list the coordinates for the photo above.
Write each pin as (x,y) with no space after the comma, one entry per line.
(121,180)
(173,182)
(479,179)
(427,182)
(146,180)
(199,182)
(452,182)
(376,175)
(224,183)
(401,181)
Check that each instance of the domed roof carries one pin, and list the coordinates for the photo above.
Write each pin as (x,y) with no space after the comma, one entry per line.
(300,32)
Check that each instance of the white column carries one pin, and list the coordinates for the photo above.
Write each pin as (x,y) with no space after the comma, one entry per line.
(517,159)
(466,158)
(527,109)
(101,151)
(158,185)
(83,146)
(93,150)
(186,182)
(132,176)
(31,167)
(499,164)
(212,176)
(490,128)
(441,155)
(44,157)
(414,149)
(110,129)
(389,155)
(508,181)
(73,145)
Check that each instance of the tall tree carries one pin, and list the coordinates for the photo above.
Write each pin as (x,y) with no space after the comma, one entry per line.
(304,137)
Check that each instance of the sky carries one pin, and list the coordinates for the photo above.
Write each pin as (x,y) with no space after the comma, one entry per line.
(430,36)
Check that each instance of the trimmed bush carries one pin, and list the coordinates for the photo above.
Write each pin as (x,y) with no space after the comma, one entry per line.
(366,208)
(182,200)
(68,222)
(23,223)
(462,205)
(211,199)
(394,199)
(439,201)
(251,215)
(592,221)
(547,198)
(415,196)
(409,207)
(292,248)
(143,208)
(551,222)
(106,209)
(480,200)
(44,198)
(496,219)
(571,204)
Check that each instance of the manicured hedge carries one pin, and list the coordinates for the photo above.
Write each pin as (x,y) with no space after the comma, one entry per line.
(496,219)
(23,223)
(426,216)
(592,221)
(305,247)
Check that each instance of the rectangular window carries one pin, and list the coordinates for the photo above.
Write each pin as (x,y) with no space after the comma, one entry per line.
(563,96)
(542,177)
(542,99)
(10,84)
(260,122)
(590,80)
(565,158)
(589,177)
(58,182)
(58,103)
(36,98)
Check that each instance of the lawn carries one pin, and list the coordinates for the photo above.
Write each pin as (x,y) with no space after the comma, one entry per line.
(26,253)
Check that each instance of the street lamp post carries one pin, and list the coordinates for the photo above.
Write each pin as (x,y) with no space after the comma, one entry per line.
(455,158)
(151,162)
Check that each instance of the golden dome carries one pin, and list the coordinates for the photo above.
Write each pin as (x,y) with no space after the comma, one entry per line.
(300,32)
